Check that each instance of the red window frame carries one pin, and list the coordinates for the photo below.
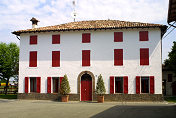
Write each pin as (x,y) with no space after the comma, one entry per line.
(56,39)
(55,58)
(143,36)
(33,59)
(33,40)
(86,37)
(118,57)
(144,56)
(118,36)
(85,57)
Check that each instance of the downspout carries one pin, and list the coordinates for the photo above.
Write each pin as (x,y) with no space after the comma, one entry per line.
(17,37)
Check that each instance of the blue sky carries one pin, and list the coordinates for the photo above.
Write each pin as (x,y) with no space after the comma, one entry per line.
(15,14)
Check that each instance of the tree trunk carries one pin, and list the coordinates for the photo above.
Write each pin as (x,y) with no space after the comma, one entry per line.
(6,87)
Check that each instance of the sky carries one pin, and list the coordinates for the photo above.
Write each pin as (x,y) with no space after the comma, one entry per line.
(16,15)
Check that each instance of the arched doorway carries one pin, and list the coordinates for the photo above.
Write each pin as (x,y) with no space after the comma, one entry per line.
(86,87)
(91,78)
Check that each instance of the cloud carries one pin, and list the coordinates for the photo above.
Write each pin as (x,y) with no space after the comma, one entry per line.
(15,14)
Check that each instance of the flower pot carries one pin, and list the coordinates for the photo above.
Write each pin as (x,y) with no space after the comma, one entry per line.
(65,98)
(100,99)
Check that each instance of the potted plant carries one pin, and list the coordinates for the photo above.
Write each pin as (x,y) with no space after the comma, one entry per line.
(65,89)
(100,89)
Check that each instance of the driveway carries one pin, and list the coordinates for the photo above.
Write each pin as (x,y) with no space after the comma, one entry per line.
(53,109)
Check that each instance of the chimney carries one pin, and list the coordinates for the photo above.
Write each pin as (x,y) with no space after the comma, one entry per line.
(34,22)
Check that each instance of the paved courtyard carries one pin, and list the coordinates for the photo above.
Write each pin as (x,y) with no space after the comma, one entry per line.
(53,109)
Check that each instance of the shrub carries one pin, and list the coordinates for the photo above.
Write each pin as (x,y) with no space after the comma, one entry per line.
(65,87)
(100,87)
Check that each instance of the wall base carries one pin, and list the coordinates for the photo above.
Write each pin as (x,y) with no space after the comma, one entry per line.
(107,97)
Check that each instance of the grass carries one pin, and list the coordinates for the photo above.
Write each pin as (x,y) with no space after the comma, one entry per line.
(8,96)
(170,99)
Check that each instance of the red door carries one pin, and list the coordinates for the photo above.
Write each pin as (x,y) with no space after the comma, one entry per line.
(86,89)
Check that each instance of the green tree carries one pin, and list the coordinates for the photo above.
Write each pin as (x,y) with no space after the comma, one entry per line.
(170,63)
(65,87)
(100,87)
(9,62)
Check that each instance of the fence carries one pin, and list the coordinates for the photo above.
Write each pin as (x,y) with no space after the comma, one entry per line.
(12,89)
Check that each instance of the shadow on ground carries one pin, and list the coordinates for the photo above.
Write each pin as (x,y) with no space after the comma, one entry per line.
(138,112)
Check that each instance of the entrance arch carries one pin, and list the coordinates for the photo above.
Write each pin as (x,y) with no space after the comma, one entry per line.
(88,80)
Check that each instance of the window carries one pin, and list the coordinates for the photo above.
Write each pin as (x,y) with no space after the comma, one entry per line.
(56,39)
(33,84)
(118,57)
(33,40)
(169,77)
(121,84)
(85,57)
(118,84)
(33,59)
(144,56)
(86,38)
(55,58)
(118,36)
(143,36)
(144,84)
(55,84)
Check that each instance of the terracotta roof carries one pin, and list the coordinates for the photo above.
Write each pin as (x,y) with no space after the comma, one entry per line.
(172,11)
(92,25)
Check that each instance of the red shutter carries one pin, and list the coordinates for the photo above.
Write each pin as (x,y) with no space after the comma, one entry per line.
(38,84)
(56,39)
(26,84)
(33,39)
(33,59)
(55,58)
(143,36)
(144,56)
(125,78)
(61,78)
(49,85)
(118,57)
(85,57)
(86,38)
(118,36)
(111,84)
(137,84)
(151,84)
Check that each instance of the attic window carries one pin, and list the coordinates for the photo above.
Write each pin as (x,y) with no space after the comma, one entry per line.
(33,40)
(56,39)
(86,38)
(143,36)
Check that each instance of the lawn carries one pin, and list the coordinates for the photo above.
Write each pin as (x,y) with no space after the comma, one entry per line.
(170,99)
(8,96)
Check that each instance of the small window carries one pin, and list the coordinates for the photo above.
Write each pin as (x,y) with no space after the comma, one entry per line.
(144,84)
(55,84)
(56,39)
(33,59)
(118,57)
(55,58)
(143,36)
(144,56)
(118,84)
(86,38)
(33,40)
(118,36)
(169,77)
(85,57)
(33,84)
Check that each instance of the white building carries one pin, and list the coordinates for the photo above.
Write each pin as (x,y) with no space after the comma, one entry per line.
(126,54)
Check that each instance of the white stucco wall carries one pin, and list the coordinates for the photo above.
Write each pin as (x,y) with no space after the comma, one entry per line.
(102,57)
